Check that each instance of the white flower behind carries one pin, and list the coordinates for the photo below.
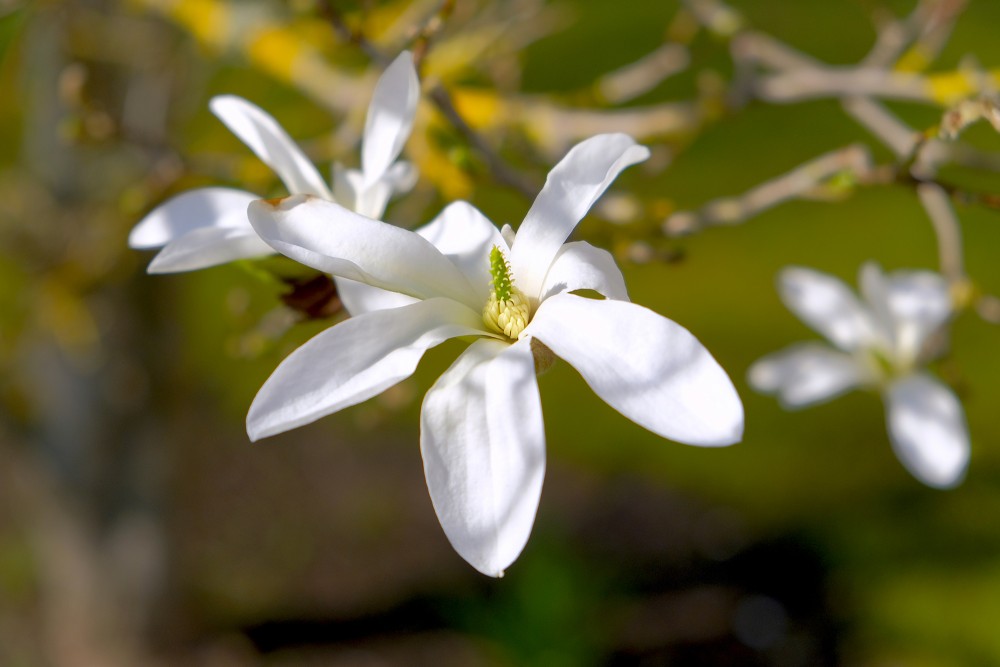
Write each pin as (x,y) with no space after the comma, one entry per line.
(880,342)
(209,226)
(482,436)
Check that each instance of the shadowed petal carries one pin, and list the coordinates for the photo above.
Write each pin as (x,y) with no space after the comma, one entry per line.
(571,188)
(579,265)
(927,428)
(483,445)
(266,138)
(209,246)
(650,369)
(205,207)
(827,305)
(807,373)
(390,117)
(328,237)
(360,298)
(353,361)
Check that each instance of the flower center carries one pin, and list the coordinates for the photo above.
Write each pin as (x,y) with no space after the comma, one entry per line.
(507,309)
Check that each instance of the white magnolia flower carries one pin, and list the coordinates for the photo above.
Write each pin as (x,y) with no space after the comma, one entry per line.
(881,342)
(209,226)
(482,437)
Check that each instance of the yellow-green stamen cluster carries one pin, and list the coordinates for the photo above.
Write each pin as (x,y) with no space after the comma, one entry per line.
(507,310)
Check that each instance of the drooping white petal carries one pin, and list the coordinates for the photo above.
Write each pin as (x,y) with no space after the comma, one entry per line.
(209,246)
(928,431)
(483,444)
(579,265)
(827,305)
(808,373)
(571,188)
(353,361)
(390,116)
(360,298)
(204,207)
(266,138)
(466,237)
(648,368)
(328,237)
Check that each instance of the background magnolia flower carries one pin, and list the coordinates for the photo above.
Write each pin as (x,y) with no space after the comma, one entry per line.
(209,226)
(881,342)
(482,436)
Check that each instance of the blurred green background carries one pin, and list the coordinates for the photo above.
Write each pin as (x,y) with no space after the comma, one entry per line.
(138,526)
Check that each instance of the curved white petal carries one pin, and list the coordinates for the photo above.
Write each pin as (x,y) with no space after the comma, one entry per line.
(571,188)
(265,137)
(648,368)
(204,207)
(466,237)
(208,246)
(827,305)
(483,444)
(807,373)
(353,361)
(579,265)
(390,116)
(328,237)
(927,428)
(360,298)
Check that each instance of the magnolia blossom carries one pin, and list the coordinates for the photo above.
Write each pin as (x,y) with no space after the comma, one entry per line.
(481,436)
(209,226)
(880,341)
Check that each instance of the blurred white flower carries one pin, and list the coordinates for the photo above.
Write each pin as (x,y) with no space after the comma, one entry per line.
(482,437)
(881,342)
(209,226)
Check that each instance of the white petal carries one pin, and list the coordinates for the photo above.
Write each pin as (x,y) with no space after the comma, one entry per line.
(350,190)
(466,237)
(807,373)
(390,117)
(874,288)
(579,265)
(483,445)
(353,361)
(347,186)
(927,428)
(205,207)
(328,237)
(648,368)
(571,188)
(917,303)
(360,298)
(828,306)
(372,200)
(209,246)
(401,177)
(265,137)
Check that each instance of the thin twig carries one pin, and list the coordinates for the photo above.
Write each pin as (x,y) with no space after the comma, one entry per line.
(438,95)
(795,183)
(431,28)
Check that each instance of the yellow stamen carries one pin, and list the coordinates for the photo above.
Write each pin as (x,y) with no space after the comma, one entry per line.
(507,310)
